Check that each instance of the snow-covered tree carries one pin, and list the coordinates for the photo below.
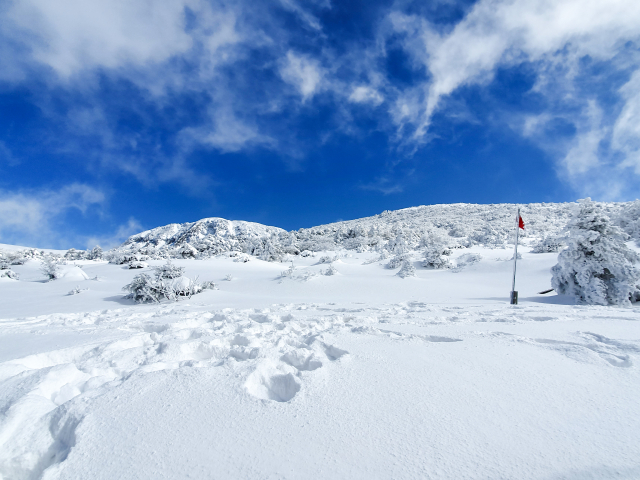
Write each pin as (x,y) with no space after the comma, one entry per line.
(95,253)
(596,267)
(50,268)
(73,254)
(550,244)
(437,257)
(407,269)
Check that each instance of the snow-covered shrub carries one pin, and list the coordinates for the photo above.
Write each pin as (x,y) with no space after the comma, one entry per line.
(397,260)
(306,253)
(144,289)
(16,258)
(182,287)
(549,244)
(50,268)
(77,290)
(407,269)
(242,258)
(466,260)
(73,254)
(288,273)
(209,285)
(188,251)
(437,257)
(268,249)
(135,265)
(330,271)
(95,253)
(596,268)
(9,274)
(168,270)
(228,277)
(489,237)
(328,259)
(399,245)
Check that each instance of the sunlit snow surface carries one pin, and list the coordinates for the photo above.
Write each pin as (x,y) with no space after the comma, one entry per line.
(361,374)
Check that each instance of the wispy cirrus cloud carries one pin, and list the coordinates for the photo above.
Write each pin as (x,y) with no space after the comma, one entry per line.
(558,41)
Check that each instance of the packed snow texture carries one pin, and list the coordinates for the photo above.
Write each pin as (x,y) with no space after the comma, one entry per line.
(331,366)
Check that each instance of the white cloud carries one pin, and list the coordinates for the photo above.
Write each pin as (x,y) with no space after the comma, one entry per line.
(384,185)
(500,32)
(73,35)
(27,217)
(226,132)
(120,235)
(583,153)
(302,72)
(626,131)
(365,94)
(554,37)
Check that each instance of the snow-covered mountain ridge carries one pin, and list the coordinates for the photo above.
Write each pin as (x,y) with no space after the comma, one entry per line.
(457,225)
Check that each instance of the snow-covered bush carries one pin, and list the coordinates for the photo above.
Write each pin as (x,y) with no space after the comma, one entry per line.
(268,249)
(144,289)
(168,270)
(168,283)
(397,260)
(549,244)
(328,258)
(242,258)
(209,285)
(466,260)
(288,273)
(77,290)
(407,269)
(228,277)
(95,253)
(437,257)
(16,258)
(330,271)
(596,268)
(9,274)
(399,245)
(73,254)
(50,268)
(136,265)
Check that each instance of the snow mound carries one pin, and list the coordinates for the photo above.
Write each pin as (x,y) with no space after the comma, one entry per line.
(72,274)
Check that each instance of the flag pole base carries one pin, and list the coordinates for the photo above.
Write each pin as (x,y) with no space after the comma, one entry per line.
(514,298)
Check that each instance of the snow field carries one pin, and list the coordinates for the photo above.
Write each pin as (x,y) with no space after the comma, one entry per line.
(358,375)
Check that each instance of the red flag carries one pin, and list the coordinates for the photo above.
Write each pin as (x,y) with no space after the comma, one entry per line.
(520,222)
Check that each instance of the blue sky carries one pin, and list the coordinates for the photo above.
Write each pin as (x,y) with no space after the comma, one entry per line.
(118,116)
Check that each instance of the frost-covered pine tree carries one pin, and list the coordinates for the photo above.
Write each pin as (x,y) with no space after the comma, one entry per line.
(596,267)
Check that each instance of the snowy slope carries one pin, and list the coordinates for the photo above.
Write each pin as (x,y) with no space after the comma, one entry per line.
(361,374)
(459,225)
(314,369)
(211,235)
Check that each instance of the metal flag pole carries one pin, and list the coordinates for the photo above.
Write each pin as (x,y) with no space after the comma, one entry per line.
(514,294)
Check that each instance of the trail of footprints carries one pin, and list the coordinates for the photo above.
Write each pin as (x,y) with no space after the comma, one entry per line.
(271,351)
